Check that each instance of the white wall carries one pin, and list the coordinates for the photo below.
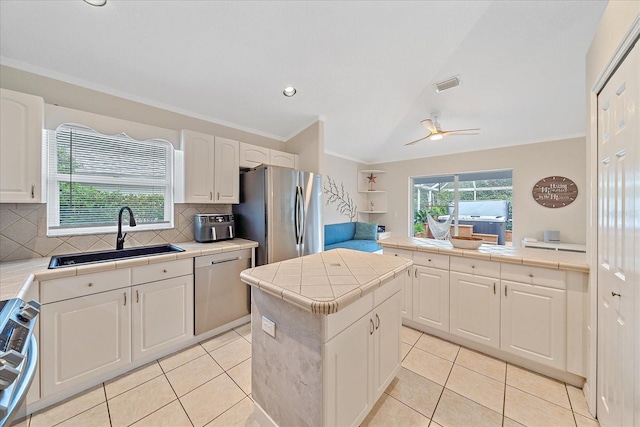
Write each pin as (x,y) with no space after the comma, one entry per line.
(309,145)
(529,163)
(343,172)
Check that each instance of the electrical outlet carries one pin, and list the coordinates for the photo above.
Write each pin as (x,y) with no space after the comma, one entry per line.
(269,326)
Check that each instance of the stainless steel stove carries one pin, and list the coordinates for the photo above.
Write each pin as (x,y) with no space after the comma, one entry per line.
(18,354)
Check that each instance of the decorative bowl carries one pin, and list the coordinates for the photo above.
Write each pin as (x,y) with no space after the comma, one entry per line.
(462,242)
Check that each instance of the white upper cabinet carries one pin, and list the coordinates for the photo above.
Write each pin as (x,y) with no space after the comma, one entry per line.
(252,156)
(280,158)
(22,117)
(227,171)
(211,168)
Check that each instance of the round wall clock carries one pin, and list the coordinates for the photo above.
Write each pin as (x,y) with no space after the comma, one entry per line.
(555,192)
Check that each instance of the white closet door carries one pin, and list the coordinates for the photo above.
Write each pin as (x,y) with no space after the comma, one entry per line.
(618,267)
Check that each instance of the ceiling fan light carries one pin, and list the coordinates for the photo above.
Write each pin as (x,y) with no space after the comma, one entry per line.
(435,136)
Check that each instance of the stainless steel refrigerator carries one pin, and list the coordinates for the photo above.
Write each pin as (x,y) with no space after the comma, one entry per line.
(281,209)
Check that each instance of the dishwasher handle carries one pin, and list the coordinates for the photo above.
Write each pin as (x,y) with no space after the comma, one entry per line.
(220,261)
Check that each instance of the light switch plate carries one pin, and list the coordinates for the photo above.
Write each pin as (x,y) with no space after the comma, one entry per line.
(269,326)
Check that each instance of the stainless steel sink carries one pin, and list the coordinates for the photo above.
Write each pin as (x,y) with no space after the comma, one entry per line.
(61,261)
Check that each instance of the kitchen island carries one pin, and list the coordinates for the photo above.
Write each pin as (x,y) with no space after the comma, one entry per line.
(325,336)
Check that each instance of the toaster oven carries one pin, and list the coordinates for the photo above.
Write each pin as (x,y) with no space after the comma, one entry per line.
(213,227)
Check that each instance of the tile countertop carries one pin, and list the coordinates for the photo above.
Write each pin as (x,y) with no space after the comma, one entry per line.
(17,276)
(326,282)
(561,260)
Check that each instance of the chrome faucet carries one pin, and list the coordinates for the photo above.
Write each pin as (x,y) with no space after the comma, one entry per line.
(132,223)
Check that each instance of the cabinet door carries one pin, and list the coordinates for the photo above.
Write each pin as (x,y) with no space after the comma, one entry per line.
(348,374)
(533,322)
(475,308)
(386,344)
(252,156)
(227,171)
(431,297)
(21,116)
(162,315)
(83,339)
(406,296)
(280,158)
(198,166)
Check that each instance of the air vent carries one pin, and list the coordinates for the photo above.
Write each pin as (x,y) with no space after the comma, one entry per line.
(448,83)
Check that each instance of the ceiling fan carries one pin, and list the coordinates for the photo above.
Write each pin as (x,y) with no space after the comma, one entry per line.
(436,132)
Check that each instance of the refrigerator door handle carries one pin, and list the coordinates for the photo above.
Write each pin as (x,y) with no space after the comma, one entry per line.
(296,215)
(301,213)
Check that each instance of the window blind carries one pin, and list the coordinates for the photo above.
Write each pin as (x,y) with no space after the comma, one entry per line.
(91,176)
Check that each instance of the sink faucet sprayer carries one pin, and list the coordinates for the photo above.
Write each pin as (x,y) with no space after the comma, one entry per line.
(132,223)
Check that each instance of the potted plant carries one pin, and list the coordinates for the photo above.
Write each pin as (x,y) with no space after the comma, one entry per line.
(418,230)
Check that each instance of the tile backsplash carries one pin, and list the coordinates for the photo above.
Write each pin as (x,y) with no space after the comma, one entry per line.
(23,232)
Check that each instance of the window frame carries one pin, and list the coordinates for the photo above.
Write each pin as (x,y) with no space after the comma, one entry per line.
(54,178)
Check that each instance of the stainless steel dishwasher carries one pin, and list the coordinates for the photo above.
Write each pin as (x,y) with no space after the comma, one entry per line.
(220,295)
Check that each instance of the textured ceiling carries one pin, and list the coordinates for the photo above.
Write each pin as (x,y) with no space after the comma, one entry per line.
(366,68)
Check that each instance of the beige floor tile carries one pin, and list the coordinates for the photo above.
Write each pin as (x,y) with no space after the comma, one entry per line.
(193,374)
(457,411)
(410,335)
(578,401)
(231,354)
(508,422)
(180,358)
(582,421)
(404,350)
(439,347)
(132,379)
(220,340)
(69,408)
(389,412)
(530,410)
(477,387)
(481,363)
(429,366)
(538,385)
(415,391)
(98,416)
(208,401)
(241,375)
(141,401)
(434,424)
(240,415)
(171,415)
(244,330)
(22,423)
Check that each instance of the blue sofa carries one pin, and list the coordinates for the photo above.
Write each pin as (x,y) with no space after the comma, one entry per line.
(342,236)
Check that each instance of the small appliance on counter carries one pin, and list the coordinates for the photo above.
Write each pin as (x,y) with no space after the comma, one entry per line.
(18,355)
(213,227)
(551,236)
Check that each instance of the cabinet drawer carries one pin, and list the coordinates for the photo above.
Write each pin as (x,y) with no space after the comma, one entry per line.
(403,253)
(431,260)
(534,275)
(476,267)
(388,289)
(161,271)
(86,284)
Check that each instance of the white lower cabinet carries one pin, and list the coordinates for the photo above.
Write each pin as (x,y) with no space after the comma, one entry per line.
(431,297)
(84,338)
(162,315)
(361,362)
(533,323)
(475,308)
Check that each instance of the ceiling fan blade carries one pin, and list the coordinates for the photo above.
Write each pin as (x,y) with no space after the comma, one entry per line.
(428,123)
(459,131)
(417,140)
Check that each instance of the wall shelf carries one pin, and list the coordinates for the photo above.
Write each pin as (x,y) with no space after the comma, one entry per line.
(375,201)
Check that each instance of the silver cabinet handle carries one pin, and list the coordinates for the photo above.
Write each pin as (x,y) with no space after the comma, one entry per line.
(90,284)
(613,294)
(210,195)
(137,296)
(408,272)
(33,191)
(218,195)
(415,273)
(494,288)
(371,327)
(505,290)
(377,321)
(125,298)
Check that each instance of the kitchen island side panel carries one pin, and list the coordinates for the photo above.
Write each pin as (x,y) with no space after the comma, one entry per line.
(286,373)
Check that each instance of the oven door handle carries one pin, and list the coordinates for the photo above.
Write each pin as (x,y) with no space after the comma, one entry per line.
(25,382)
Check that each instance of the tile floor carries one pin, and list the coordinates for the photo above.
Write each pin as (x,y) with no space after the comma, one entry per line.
(440,384)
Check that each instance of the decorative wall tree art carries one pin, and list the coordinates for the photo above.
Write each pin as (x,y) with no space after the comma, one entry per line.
(345,204)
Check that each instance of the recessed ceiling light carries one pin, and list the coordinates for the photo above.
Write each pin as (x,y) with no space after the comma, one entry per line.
(289,91)
(96,2)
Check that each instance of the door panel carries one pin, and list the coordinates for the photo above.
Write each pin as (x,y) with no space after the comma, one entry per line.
(618,223)
(313,233)
(431,297)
